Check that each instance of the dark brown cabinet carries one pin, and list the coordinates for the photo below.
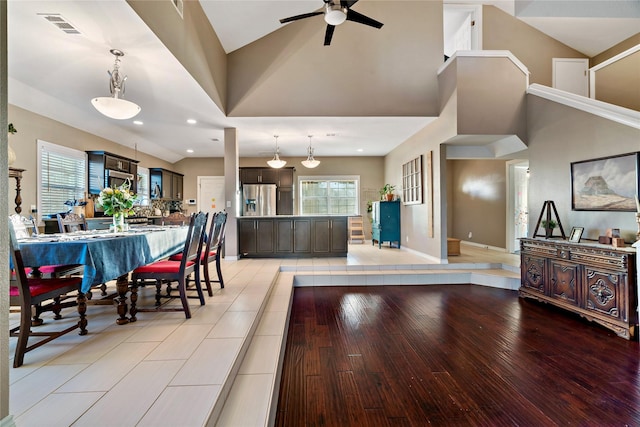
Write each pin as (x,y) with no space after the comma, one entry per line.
(292,236)
(330,235)
(256,236)
(109,170)
(259,176)
(284,201)
(596,281)
(285,177)
(166,184)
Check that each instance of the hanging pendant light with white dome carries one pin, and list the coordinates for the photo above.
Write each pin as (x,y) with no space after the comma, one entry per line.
(310,162)
(276,163)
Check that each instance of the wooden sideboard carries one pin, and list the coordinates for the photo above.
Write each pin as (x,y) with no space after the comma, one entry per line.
(598,282)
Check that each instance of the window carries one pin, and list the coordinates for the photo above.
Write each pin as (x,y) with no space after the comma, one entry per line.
(337,195)
(62,176)
(143,187)
(412,182)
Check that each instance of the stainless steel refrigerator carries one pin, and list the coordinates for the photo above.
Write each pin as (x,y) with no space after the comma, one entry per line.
(258,199)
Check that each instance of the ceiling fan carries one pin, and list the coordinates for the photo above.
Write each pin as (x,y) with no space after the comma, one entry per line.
(336,14)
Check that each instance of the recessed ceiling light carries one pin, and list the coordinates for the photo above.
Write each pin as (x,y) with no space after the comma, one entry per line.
(359,150)
(138,122)
(189,150)
(192,121)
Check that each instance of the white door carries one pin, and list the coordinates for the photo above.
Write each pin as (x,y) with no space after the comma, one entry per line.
(211,194)
(571,75)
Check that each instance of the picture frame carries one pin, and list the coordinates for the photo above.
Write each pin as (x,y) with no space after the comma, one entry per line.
(576,234)
(606,183)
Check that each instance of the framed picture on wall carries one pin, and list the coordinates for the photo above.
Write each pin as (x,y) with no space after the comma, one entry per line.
(605,184)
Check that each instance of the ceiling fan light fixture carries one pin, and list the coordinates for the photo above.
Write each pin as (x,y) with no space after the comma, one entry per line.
(113,106)
(334,14)
(276,163)
(310,162)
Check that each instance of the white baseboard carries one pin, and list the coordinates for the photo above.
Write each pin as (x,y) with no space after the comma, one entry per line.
(480,245)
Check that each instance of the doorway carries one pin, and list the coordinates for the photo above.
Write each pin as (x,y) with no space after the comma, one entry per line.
(462,27)
(517,203)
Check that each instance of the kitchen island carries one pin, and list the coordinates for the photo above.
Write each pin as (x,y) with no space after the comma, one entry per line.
(292,236)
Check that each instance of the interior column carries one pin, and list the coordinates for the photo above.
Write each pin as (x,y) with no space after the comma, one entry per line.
(231,191)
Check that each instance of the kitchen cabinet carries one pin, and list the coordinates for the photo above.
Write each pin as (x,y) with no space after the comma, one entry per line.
(598,282)
(101,163)
(285,177)
(281,177)
(256,236)
(386,222)
(259,176)
(330,235)
(165,184)
(284,200)
(292,236)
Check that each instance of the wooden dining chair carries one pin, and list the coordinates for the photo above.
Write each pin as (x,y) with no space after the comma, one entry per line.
(175,271)
(211,251)
(39,295)
(71,222)
(26,227)
(176,218)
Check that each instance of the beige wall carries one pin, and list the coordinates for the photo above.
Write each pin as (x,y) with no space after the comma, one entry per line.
(491,97)
(614,50)
(477,202)
(535,49)
(559,135)
(365,72)
(191,40)
(619,82)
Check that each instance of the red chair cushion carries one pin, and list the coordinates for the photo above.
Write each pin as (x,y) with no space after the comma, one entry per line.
(165,266)
(178,257)
(41,286)
(51,269)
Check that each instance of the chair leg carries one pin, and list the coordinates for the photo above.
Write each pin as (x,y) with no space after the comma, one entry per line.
(159,293)
(103,289)
(207,279)
(57,308)
(219,271)
(183,297)
(199,285)
(24,330)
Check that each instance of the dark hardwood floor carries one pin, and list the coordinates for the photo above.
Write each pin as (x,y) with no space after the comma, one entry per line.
(451,355)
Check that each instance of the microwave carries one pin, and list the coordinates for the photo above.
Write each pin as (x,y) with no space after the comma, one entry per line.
(114,178)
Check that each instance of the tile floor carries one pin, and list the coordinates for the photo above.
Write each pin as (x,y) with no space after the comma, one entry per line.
(221,366)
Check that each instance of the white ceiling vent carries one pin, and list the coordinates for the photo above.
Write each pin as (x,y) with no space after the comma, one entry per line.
(179,4)
(60,22)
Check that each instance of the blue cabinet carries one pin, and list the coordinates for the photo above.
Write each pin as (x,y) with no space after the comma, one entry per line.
(386,223)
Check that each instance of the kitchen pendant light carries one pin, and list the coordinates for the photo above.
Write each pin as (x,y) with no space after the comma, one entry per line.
(310,162)
(113,106)
(276,163)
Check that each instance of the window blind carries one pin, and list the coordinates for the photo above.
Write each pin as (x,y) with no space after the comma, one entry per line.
(62,176)
(329,196)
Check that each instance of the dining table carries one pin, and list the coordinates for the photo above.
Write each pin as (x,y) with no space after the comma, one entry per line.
(106,255)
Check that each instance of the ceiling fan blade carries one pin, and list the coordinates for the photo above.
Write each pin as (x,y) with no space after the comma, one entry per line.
(328,35)
(347,3)
(297,17)
(354,16)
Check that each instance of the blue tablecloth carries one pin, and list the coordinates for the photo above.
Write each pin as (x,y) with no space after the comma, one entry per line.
(105,257)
